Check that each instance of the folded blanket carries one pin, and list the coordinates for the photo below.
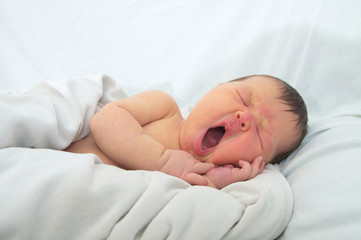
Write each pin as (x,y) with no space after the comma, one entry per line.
(46,193)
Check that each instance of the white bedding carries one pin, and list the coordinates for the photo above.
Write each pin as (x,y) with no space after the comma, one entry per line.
(51,194)
(186,47)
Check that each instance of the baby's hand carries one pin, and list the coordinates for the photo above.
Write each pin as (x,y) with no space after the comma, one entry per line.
(222,176)
(181,164)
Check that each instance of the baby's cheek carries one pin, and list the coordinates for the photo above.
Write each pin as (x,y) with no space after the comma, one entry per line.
(226,158)
(246,151)
(234,151)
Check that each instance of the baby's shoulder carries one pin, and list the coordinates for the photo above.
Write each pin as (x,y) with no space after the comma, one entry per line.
(162,101)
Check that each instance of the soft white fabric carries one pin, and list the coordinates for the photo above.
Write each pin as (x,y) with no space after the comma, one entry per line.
(325,176)
(185,47)
(51,194)
(54,114)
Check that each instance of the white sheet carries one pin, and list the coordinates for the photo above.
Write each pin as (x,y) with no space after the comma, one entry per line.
(186,47)
(51,194)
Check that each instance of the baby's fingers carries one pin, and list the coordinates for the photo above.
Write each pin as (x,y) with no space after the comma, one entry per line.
(245,166)
(195,179)
(201,167)
(244,172)
(257,166)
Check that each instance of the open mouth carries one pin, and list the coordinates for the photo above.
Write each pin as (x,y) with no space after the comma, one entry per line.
(213,136)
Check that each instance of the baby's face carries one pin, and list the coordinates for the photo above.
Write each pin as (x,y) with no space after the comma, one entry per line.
(239,121)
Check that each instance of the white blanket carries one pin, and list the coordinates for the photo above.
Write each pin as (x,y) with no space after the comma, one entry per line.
(46,193)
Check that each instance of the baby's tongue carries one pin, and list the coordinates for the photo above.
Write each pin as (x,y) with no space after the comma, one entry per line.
(213,136)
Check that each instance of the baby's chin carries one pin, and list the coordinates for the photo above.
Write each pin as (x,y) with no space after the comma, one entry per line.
(211,158)
(203,158)
(206,158)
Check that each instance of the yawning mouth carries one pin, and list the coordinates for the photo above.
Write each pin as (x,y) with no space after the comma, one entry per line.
(213,136)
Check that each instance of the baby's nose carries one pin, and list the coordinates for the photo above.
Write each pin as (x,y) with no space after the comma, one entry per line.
(244,119)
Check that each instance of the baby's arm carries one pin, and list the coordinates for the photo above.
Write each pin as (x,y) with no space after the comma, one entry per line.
(222,176)
(117,129)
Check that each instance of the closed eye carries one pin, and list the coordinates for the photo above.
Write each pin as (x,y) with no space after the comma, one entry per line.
(243,100)
(245,103)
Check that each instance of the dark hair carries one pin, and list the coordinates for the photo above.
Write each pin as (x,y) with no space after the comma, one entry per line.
(296,104)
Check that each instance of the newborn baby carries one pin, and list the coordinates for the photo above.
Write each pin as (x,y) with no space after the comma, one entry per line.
(231,133)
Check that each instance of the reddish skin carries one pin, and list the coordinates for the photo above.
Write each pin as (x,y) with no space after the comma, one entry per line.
(221,176)
(257,121)
(147,131)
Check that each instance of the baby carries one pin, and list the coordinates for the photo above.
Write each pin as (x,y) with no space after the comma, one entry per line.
(230,134)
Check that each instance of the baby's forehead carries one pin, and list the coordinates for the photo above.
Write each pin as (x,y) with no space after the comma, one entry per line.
(259,83)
